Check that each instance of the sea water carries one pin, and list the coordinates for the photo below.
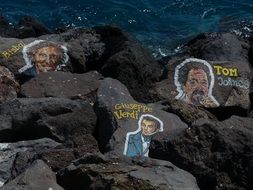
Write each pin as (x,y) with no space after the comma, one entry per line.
(161,25)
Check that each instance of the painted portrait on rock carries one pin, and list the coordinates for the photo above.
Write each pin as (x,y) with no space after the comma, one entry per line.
(137,142)
(194,81)
(43,56)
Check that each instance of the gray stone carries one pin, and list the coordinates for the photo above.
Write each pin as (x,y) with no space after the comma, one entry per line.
(63,120)
(218,154)
(219,47)
(62,84)
(112,172)
(120,117)
(10,151)
(37,177)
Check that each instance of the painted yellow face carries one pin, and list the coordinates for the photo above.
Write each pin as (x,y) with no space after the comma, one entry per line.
(196,86)
(47,58)
(148,127)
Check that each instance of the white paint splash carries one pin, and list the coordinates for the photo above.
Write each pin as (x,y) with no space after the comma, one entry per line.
(4,146)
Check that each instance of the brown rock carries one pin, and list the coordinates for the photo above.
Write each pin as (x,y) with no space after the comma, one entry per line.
(123,123)
(187,113)
(95,171)
(8,85)
(62,84)
(218,154)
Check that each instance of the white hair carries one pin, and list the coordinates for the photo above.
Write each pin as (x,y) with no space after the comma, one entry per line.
(28,60)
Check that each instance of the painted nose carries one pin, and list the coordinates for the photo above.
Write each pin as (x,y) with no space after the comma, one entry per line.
(145,128)
(199,87)
(47,59)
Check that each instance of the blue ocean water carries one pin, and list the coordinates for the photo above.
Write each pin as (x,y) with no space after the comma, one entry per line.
(160,25)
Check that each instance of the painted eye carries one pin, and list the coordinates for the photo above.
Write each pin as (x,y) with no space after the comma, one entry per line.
(53,56)
(42,55)
(204,82)
(192,82)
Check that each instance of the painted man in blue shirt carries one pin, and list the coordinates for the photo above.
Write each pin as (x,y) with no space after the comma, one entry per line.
(138,142)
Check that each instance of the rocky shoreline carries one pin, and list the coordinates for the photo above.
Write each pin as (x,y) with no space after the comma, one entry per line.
(92,109)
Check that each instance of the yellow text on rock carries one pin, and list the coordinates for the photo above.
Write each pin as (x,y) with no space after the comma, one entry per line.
(219,70)
(12,50)
(130,110)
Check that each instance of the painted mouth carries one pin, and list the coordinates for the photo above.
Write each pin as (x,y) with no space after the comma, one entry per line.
(197,97)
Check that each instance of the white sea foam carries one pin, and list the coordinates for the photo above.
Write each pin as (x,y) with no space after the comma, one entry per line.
(1,183)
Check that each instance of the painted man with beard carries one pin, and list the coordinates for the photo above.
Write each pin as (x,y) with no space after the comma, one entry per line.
(194,80)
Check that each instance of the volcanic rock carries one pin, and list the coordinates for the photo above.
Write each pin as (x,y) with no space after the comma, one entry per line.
(219,47)
(62,84)
(10,157)
(127,61)
(242,28)
(218,154)
(120,118)
(27,27)
(61,119)
(62,156)
(251,62)
(224,84)
(71,122)
(31,27)
(58,158)
(223,60)
(6,30)
(68,51)
(8,85)
(109,50)
(99,172)
(187,113)
(37,177)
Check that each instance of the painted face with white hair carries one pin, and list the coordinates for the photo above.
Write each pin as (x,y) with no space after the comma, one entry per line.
(47,58)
